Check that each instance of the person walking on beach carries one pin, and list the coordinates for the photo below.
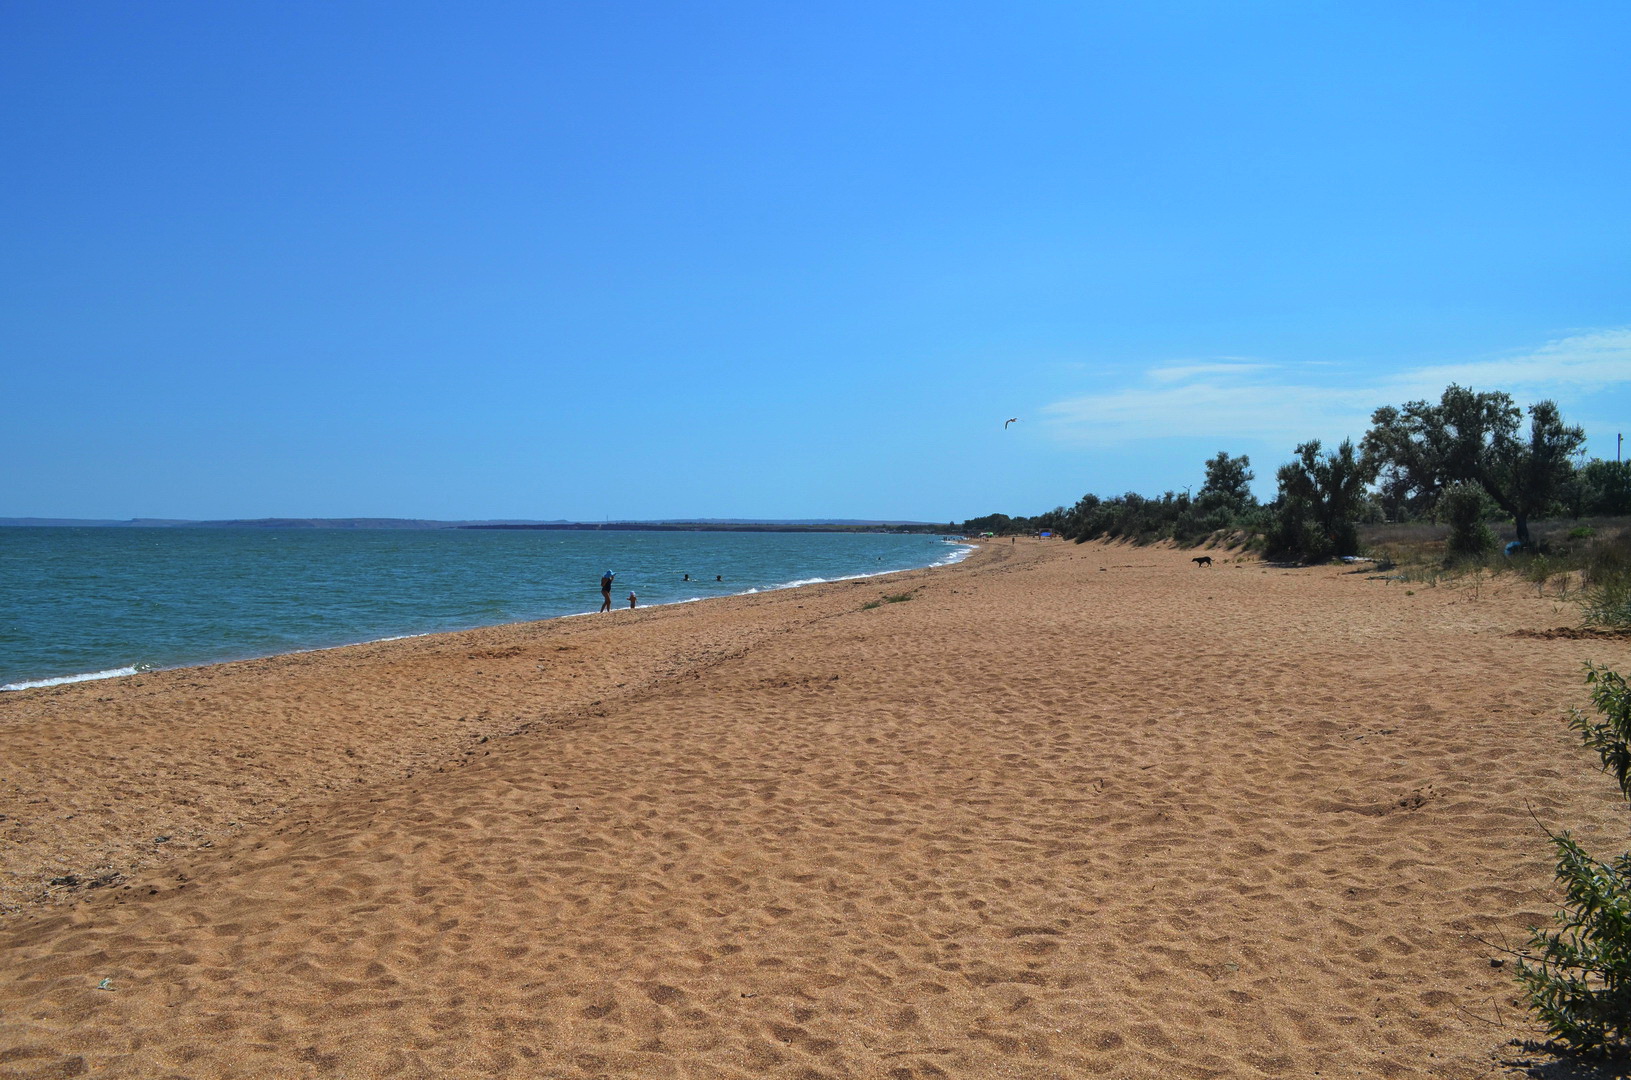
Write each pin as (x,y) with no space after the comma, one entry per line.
(606,590)
(632,601)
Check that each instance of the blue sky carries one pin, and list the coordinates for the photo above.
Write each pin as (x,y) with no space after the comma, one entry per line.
(644,260)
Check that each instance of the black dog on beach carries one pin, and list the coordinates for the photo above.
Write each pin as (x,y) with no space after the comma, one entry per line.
(1202,560)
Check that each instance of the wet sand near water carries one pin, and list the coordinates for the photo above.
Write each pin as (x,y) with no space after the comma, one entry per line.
(1062,811)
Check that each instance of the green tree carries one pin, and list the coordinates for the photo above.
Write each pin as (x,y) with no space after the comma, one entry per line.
(1321,498)
(1605,487)
(1229,477)
(996,523)
(1422,448)
(1080,519)
(1464,505)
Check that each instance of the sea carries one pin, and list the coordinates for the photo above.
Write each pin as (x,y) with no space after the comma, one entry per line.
(82,603)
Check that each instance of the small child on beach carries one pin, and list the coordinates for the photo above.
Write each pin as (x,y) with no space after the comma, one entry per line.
(632,599)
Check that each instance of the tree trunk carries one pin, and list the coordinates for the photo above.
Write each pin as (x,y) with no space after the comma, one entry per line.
(1520,518)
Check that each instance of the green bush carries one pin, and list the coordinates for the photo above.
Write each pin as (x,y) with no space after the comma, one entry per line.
(1608,603)
(1607,580)
(1578,977)
(1322,497)
(1463,506)
(1294,536)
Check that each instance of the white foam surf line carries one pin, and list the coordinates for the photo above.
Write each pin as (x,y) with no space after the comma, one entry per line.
(963,551)
(63,680)
(117,673)
(145,669)
(950,560)
(955,557)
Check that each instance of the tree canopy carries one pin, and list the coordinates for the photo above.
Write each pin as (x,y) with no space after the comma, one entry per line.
(1420,449)
(1321,496)
(1229,477)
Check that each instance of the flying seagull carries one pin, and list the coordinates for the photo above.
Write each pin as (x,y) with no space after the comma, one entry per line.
(1011,420)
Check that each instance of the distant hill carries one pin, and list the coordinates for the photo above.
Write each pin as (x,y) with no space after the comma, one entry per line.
(325,523)
(90,523)
(674,524)
(259,523)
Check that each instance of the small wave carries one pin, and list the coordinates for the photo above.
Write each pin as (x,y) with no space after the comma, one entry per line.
(139,669)
(63,680)
(954,557)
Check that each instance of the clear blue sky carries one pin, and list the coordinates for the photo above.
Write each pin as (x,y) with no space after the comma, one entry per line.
(642,260)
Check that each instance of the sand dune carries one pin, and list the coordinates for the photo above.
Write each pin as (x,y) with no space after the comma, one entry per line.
(1067,811)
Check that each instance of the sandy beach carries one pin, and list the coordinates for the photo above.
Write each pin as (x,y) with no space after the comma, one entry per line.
(1059,811)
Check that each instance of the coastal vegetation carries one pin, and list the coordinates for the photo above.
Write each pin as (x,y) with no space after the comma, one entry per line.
(1577,976)
(1322,497)
(1472,438)
(1466,462)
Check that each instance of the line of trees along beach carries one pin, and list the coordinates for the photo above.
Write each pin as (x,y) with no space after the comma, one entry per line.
(1466,460)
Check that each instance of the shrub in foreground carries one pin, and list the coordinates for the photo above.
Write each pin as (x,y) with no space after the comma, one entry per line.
(1607,580)
(1578,975)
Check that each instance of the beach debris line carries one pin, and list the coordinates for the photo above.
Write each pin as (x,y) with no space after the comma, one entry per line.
(897,598)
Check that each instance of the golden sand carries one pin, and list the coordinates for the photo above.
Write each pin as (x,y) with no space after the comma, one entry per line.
(1068,811)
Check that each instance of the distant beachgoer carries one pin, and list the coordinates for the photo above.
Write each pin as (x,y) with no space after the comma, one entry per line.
(606,590)
(687,577)
(633,600)
(718,578)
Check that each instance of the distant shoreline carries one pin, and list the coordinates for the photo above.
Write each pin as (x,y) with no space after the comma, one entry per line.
(663,526)
(681,525)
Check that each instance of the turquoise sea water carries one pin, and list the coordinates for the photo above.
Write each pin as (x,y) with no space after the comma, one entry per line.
(95,601)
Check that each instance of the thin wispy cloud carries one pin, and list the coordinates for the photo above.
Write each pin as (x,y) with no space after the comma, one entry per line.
(1222,366)
(1243,398)
(1558,369)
